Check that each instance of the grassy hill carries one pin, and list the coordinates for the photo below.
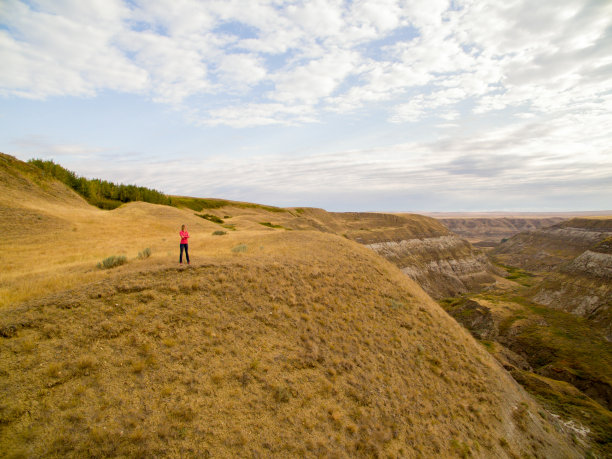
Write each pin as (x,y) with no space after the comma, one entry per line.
(304,344)
(67,237)
(272,343)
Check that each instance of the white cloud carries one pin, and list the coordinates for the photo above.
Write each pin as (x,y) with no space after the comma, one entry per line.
(333,54)
(262,114)
(65,49)
(315,80)
(42,147)
(241,69)
(516,90)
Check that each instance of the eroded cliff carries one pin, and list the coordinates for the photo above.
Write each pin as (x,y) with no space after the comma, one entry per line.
(576,258)
(583,287)
(548,248)
(489,231)
(424,249)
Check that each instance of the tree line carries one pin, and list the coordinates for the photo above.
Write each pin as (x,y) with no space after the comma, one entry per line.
(102,193)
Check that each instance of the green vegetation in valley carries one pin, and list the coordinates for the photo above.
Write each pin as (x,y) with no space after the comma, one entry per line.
(101,193)
(569,358)
(520,276)
(569,403)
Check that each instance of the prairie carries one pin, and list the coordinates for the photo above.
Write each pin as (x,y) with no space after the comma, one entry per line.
(278,340)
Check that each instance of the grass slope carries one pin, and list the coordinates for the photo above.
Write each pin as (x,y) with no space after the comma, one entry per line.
(304,344)
(51,239)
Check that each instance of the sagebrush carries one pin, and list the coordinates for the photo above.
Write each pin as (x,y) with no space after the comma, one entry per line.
(112,262)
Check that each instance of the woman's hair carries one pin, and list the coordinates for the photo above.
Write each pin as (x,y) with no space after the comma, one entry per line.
(182,227)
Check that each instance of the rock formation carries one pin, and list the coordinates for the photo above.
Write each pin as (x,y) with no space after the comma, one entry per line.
(438,260)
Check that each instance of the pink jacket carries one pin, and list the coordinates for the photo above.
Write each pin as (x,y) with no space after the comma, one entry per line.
(184,237)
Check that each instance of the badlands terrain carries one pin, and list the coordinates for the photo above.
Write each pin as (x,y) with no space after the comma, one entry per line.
(294,332)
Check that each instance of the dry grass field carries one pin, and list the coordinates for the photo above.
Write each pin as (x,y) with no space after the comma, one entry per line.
(271,343)
(51,239)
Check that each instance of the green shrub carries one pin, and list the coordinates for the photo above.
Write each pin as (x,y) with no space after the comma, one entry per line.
(146,253)
(112,262)
(219,233)
(270,225)
(199,204)
(210,218)
(240,248)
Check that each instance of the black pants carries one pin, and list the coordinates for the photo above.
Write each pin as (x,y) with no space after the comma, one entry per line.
(184,247)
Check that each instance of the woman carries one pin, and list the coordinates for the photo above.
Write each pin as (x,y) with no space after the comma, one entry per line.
(184,244)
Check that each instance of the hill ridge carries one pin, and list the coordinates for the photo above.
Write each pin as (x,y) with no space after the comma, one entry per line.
(318,347)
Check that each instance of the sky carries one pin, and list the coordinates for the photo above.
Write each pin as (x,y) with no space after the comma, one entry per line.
(386,105)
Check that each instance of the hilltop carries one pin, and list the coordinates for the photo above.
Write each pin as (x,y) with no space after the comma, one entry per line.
(303,344)
(425,250)
(280,339)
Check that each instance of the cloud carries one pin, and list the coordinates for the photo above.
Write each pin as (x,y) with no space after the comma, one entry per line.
(65,49)
(334,55)
(562,164)
(495,97)
(42,147)
(242,70)
(315,80)
(262,114)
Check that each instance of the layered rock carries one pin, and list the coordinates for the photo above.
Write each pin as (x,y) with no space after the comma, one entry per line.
(441,262)
(577,257)
(492,230)
(583,287)
(548,248)
(442,265)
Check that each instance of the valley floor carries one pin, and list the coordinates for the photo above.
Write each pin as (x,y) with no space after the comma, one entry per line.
(557,356)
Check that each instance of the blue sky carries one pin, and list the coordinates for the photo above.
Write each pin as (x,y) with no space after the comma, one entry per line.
(346,105)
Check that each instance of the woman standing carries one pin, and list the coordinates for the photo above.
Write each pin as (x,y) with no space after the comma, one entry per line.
(184,244)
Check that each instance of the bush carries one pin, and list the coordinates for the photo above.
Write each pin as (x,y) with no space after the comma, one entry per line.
(240,248)
(112,262)
(146,253)
(210,218)
(270,225)
(219,233)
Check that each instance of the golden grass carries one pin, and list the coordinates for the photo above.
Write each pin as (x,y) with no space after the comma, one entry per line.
(39,260)
(50,243)
(304,345)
